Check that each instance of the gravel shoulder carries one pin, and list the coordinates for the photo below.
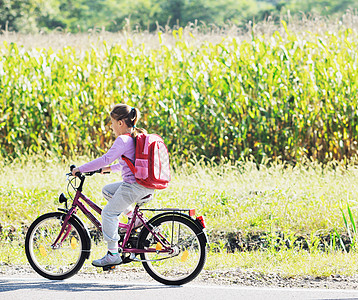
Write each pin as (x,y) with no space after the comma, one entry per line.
(231,277)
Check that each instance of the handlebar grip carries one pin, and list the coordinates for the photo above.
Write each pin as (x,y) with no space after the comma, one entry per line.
(78,174)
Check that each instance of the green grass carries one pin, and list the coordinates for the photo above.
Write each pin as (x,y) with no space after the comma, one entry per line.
(242,199)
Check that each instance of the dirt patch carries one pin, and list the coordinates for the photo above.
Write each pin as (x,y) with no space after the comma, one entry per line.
(252,241)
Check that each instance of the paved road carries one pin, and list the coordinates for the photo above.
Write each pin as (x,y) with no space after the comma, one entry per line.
(88,289)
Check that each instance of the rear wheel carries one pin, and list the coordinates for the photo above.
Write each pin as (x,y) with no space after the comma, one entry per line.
(188,250)
(58,261)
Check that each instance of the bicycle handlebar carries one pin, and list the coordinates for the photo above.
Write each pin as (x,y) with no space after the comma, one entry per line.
(83,176)
(79,174)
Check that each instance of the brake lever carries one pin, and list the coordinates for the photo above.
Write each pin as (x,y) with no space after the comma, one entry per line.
(100,171)
(78,174)
(97,171)
(68,175)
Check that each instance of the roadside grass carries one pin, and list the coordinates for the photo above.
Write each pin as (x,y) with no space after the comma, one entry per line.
(308,200)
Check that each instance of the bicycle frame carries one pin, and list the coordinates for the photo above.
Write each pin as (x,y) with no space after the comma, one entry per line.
(77,204)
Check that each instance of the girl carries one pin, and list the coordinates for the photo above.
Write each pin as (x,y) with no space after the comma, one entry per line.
(120,195)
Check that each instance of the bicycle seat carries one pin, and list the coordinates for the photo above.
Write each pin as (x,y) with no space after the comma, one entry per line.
(145,199)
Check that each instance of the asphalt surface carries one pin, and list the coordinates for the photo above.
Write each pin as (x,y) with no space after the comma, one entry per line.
(88,289)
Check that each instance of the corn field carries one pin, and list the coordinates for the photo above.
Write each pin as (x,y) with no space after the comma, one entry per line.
(281,96)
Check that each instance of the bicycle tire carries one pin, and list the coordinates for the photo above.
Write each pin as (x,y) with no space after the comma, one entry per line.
(62,262)
(186,237)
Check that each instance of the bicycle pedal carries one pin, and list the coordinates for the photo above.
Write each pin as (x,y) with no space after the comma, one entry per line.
(127,260)
(108,268)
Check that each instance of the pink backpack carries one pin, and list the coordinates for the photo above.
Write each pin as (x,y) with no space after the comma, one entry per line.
(151,166)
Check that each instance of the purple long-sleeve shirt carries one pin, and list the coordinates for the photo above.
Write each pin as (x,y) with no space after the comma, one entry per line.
(123,145)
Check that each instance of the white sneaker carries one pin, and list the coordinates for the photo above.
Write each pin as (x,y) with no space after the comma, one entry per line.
(137,223)
(108,260)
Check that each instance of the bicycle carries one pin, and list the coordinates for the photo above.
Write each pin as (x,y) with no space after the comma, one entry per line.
(171,245)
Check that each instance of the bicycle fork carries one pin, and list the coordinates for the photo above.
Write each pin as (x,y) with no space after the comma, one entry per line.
(65,230)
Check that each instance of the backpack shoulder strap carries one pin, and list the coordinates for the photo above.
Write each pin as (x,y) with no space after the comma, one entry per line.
(127,160)
(129,163)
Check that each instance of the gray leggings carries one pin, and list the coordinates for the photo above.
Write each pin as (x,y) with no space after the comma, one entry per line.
(120,196)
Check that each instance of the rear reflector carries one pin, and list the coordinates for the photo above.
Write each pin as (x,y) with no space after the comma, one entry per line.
(201,220)
(192,212)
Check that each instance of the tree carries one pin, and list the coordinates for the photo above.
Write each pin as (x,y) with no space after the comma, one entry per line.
(142,13)
(80,15)
(16,15)
(322,7)
(236,11)
(183,12)
(47,14)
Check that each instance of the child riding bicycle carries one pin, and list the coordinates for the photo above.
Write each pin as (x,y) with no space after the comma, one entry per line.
(120,195)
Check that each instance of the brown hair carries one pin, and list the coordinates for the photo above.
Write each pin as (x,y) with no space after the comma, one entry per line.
(130,115)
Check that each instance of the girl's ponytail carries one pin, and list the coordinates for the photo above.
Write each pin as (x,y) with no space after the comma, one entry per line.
(134,115)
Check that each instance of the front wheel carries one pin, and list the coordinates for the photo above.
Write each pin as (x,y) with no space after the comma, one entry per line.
(59,261)
(187,256)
